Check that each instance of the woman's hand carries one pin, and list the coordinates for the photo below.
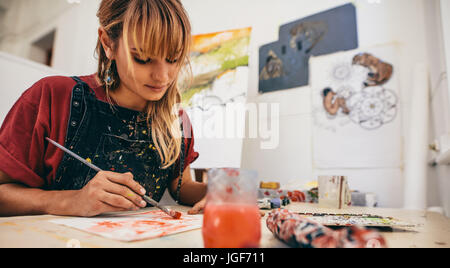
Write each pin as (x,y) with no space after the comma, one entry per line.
(198,207)
(109,192)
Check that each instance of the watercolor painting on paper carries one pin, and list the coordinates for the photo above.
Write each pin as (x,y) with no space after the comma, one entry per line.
(134,227)
(220,73)
(219,64)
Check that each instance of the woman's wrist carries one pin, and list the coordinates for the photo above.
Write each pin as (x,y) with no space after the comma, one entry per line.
(62,203)
(18,200)
(192,192)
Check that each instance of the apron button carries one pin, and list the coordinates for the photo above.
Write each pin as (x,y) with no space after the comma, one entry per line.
(77,89)
(73,123)
(76,103)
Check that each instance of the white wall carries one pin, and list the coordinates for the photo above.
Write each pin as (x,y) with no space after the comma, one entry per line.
(25,22)
(445,17)
(76,31)
(393,21)
(17,75)
(76,39)
(437,15)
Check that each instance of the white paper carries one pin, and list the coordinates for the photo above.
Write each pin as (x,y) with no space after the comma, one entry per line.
(368,137)
(220,81)
(134,227)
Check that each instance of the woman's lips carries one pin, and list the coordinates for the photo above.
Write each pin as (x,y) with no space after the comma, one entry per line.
(157,89)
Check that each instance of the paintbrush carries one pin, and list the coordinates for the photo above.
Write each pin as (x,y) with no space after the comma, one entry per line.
(172,213)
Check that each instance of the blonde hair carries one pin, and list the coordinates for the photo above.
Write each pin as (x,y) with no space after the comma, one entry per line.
(157,27)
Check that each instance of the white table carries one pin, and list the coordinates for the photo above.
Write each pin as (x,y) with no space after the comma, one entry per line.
(433,231)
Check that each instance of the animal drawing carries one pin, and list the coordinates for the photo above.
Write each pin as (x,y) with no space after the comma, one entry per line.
(273,67)
(380,71)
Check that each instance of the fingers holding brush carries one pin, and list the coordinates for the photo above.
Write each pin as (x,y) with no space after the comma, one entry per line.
(118,201)
(107,191)
(110,192)
(125,179)
(126,193)
(124,186)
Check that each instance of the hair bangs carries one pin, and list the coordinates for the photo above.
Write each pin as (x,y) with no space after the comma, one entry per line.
(159,31)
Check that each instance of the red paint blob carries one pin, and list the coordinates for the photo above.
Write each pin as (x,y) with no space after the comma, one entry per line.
(109,224)
(176,214)
(148,223)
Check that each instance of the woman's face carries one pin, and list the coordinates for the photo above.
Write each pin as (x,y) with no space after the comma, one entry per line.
(151,77)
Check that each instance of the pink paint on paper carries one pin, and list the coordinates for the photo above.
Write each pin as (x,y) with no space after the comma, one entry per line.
(134,226)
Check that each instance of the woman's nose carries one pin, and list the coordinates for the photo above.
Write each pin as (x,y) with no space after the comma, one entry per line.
(160,73)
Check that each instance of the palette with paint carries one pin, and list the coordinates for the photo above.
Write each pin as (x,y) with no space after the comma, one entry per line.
(134,226)
(366,220)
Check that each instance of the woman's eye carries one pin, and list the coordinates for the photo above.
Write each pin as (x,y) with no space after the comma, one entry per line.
(138,60)
(171,61)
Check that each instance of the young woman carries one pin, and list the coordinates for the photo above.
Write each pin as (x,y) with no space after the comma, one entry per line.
(124,119)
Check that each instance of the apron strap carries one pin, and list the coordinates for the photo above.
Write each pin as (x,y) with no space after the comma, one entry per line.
(84,84)
(182,156)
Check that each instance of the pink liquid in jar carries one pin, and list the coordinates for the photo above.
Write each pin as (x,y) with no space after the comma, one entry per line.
(230,225)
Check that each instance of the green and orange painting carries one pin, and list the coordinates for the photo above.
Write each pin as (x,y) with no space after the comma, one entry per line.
(214,55)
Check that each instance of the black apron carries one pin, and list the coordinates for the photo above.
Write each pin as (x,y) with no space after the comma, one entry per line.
(114,139)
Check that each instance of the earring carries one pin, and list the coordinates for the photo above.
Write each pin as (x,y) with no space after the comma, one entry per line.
(109,80)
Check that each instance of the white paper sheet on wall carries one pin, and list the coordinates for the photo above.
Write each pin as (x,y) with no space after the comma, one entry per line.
(220,71)
(356,109)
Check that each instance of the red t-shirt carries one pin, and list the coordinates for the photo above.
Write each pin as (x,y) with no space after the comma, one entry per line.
(43,111)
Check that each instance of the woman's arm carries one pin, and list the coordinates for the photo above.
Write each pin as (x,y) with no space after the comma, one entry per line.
(17,199)
(191,192)
(106,192)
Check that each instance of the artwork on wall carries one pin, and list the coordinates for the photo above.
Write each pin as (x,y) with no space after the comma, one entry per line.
(219,63)
(285,64)
(355,108)
(373,105)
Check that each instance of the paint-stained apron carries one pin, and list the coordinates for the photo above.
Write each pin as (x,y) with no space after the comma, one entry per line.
(114,139)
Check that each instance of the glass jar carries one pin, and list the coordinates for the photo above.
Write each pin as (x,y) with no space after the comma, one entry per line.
(231,215)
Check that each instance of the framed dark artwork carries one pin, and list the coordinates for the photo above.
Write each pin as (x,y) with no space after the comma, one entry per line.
(285,64)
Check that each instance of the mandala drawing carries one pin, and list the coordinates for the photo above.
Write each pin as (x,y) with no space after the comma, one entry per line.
(342,73)
(355,90)
(373,107)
